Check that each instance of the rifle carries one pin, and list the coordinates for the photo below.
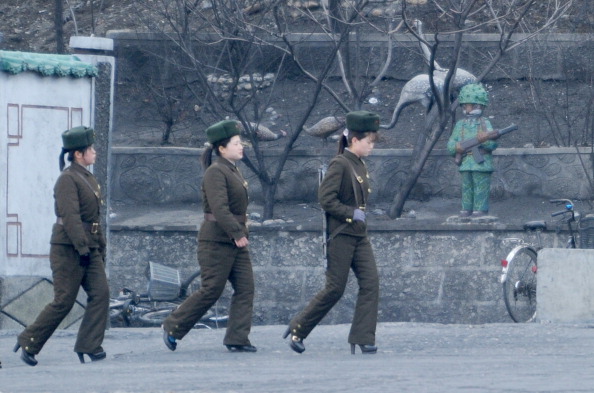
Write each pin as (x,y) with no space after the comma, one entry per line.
(473,144)
(321,174)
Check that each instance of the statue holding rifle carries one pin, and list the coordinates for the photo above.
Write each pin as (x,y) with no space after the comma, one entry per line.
(472,142)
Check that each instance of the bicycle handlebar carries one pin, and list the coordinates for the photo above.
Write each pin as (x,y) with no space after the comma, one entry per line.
(568,206)
(559,213)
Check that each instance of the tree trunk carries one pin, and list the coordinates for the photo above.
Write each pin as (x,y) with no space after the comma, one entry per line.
(58,11)
(417,163)
(167,132)
(418,160)
(334,10)
(269,192)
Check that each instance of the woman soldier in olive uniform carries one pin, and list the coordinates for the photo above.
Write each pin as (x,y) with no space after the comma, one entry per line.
(343,194)
(222,244)
(77,254)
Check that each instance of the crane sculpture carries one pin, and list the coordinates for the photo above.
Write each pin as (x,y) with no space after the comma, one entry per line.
(418,89)
(461,76)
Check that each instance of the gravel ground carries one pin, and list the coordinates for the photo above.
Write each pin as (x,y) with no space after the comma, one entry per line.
(412,357)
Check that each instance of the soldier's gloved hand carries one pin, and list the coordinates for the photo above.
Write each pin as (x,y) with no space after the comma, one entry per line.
(359,215)
(84,260)
(459,148)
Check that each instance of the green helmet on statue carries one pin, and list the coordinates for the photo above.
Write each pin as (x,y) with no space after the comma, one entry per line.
(473,94)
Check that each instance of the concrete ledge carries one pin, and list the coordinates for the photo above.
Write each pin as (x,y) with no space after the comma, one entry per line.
(565,287)
(91,43)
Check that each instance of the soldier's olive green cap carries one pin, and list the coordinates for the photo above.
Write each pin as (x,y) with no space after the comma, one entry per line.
(222,130)
(78,138)
(362,121)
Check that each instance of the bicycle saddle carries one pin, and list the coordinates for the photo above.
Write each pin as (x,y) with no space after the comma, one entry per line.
(535,226)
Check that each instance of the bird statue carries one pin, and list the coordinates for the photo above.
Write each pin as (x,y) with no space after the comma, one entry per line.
(461,77)
(263,133)
(418,89)
(326,127)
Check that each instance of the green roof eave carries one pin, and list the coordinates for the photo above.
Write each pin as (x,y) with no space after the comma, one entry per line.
(45,64)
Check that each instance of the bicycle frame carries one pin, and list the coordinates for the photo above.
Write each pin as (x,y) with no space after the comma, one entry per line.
(519,290)
(134,309)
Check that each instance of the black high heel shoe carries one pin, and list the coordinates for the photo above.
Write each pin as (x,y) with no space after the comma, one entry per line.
(93,356)
(296,342)
(365,349)
(26,357)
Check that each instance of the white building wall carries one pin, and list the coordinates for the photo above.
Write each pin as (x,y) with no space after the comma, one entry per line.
(34,111)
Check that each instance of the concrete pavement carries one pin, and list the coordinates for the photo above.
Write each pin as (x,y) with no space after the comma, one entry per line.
(412,357)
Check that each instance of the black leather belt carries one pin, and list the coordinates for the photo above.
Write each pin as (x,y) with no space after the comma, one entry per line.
(92,227)
(210,217)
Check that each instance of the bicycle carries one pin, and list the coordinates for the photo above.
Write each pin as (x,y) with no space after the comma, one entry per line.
(165,292)
(519,274)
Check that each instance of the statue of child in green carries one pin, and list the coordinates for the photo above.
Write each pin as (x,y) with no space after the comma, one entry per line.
(476,172)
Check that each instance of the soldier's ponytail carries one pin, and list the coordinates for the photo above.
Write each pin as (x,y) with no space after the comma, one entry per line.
(62,163)
(343,143)
(346,139)
(206,157)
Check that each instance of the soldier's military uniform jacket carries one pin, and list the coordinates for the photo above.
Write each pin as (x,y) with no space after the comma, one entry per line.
(224,195)
(469,128)
(77,206)
(345,188)
(225,201)
(77,232)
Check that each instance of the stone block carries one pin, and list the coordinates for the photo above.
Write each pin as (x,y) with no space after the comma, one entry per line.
(565,287)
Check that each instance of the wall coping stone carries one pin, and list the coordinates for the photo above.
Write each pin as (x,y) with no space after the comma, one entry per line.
(313,152)
(129,35)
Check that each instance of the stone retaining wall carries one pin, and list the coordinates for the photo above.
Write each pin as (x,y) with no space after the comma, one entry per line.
(549,56)
(429,272)
(173,175)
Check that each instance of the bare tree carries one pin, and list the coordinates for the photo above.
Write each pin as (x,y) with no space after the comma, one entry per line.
(231,44)
(507,17)
(58,25)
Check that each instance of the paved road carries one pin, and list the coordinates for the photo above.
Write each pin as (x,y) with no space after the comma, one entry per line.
(412,358)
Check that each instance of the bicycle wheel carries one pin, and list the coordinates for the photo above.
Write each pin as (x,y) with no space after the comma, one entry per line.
(519,284)
(155,318)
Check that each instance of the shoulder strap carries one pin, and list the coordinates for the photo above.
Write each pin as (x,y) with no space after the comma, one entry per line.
(355,180)
(95,192)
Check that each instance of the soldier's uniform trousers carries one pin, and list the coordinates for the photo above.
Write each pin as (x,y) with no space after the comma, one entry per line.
(68,276)
(476,188)
(219,262)
(345,252)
